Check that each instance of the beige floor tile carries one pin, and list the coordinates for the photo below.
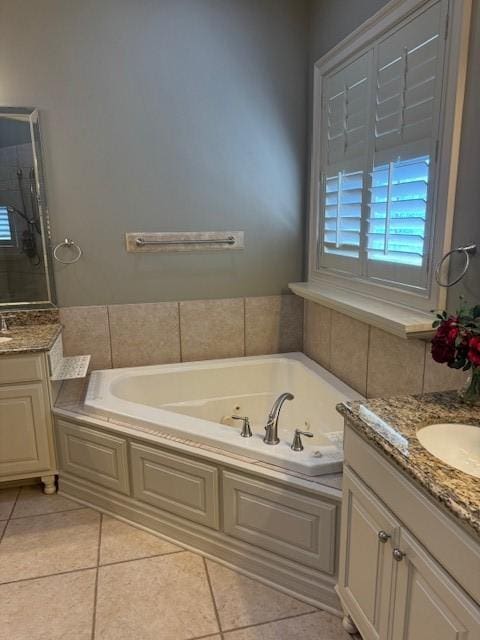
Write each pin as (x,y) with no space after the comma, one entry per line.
(3,525)
(241,601)
(43,545)
(120,541)
(316,626)
(54,608)
(163,598)
(33,502)
(7,500)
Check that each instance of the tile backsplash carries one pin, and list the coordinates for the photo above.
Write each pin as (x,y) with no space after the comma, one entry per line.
(373,362)
(157,333)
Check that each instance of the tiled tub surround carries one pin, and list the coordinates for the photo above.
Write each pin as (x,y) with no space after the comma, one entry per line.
(101,578)
(373,362)
(167,332)
(391,425)
(290,543)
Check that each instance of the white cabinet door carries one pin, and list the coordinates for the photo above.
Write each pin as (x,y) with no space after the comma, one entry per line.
(428,603)
(24,429)
(366,561)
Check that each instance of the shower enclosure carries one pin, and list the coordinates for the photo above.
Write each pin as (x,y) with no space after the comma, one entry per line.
(25,269)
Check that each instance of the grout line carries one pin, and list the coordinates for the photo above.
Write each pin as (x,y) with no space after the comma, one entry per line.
(109,335)
(179,332)
(48,575)
(49,513)
(10,514)
(213,597)
(261,624)
(244,326)
(156,555)
(368,360)
(95,590)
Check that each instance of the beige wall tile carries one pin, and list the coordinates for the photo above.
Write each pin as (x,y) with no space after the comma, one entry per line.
(316,337)
(273,324)
(143,334)
(242,601)
(57,607)
(395,365)
(439,377)
(86,332)
(163,597)
(212,329)
(349,350)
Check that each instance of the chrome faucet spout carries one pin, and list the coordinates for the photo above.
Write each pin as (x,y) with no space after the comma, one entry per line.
(271,428)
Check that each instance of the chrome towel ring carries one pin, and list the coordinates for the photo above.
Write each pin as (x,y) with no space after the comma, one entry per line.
(467,251)
(69,244)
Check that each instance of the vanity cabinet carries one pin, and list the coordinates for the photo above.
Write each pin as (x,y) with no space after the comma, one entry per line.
(390,585)
(26,430)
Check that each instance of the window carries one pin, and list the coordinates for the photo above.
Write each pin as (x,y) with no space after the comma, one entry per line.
(6,230)
(384,151)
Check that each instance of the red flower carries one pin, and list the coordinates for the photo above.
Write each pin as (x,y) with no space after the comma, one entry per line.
(474,351)
(442,350)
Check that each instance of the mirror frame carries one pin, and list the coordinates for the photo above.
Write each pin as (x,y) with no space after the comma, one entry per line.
(31,115)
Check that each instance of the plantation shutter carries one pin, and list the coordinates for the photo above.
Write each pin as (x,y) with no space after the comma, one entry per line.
(5,228)
(408,78)
(345,115)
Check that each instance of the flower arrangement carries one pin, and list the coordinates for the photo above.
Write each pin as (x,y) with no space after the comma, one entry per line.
(457,343)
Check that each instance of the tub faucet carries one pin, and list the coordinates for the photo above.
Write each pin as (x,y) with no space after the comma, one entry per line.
(271,428)
(3,324)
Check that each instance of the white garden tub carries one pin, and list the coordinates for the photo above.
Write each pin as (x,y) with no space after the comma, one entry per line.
(195,400)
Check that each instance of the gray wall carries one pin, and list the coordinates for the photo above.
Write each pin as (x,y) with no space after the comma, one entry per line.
(166,115)
(331,21)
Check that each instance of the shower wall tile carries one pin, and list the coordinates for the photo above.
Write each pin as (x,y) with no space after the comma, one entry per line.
(395,365)
(143,334)
(212,329)
(86,331)
(316,336)
(273,324)
(349,350)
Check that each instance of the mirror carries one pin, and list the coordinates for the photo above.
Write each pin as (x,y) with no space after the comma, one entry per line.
(25,256)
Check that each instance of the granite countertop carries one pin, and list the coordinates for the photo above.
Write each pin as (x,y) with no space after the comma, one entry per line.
(29,338)
(390,424)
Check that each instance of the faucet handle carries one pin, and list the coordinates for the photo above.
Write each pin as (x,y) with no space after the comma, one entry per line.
(246,431)
(3,324)
(297,444)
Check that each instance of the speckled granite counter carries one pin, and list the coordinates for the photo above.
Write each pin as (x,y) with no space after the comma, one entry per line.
(29,338)
(391,425)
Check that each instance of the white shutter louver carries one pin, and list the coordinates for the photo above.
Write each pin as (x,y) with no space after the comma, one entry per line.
(406,81)
(5,228)
(345,118)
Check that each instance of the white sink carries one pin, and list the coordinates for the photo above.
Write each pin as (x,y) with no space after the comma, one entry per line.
(456,444)
(4,339)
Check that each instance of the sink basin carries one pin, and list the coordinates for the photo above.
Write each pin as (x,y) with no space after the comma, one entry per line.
(456,444)
(4,339)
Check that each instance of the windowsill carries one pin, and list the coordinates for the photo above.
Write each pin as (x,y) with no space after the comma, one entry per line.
(400,321)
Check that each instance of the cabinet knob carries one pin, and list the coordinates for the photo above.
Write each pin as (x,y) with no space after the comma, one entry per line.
(398,555)
(383,536)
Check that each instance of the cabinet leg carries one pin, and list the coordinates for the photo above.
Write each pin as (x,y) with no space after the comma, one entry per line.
(349,625)
(49,486)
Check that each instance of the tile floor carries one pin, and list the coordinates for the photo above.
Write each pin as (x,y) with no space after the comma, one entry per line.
(71,573)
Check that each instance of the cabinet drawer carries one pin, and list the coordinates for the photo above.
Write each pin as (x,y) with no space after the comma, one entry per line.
(25,368)
(294,526)
(24,429)
(176,484)
(94,455)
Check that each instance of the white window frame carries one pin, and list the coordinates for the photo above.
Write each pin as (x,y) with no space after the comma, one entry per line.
(456,51)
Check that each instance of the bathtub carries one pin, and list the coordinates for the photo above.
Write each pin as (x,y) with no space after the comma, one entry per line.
(196,400)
